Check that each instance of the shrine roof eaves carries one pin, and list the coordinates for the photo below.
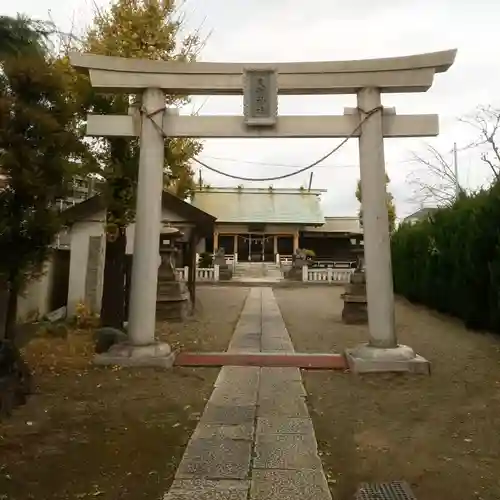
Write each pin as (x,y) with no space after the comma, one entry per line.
(203,221)
(265,206)
(248,190)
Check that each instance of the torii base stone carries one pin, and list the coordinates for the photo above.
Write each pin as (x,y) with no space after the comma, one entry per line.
(158,355)
(368,359)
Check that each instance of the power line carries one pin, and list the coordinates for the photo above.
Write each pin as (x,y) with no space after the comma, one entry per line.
(282,165)
(269,164)
(367,116)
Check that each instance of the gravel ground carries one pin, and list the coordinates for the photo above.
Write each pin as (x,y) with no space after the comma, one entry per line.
(107,433)
(439,433)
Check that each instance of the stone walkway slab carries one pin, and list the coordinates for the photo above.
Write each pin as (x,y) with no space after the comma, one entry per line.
(196,489)
(215,458)
(286,452)
(289,484)
(255,439)
(284,425)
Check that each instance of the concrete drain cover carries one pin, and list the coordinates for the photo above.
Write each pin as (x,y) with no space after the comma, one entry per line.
(397,490)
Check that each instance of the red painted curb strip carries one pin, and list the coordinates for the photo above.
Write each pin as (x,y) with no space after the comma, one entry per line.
(269,359)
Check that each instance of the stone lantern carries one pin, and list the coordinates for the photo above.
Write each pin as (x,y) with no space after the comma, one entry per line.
(173,300)
(355,302)
(299,260)
(359,251)
(225,273)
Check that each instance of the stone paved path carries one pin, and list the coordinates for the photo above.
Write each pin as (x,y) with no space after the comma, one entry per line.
(255,439)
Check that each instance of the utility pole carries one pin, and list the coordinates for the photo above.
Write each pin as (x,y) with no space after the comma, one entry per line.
(310,181)
(455,167)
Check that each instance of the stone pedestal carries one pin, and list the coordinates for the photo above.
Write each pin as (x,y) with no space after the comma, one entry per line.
(225,272)
(173,301)
(128,355)
(368,359)
(298,262)
(295,272)
(355,311)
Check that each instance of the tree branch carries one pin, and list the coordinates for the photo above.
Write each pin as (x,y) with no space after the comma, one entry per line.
(436,181)
(486,120)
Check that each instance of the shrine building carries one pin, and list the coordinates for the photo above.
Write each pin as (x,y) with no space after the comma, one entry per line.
(269,224)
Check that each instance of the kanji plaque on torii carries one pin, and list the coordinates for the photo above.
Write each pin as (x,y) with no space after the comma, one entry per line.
(260,97)
(260,84)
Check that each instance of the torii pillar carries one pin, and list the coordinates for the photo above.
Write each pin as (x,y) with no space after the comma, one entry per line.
(260,85)
(382,352)
(142,348)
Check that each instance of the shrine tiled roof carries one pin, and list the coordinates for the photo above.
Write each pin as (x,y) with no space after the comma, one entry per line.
(86,211)
(264,205)
(348,225)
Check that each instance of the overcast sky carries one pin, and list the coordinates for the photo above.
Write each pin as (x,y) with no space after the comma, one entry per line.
(294,30)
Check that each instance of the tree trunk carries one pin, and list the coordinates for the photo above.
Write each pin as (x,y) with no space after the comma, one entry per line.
(11,313)
(113,292)
(4,297)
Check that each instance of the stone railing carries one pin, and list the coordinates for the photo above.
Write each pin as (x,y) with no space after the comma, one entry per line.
(202,273)
(326,275)
(182,273)
(207,273)
(319,263)
(231,258)
(284,259)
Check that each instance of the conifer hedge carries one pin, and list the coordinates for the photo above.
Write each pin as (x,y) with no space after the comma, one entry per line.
(451,262)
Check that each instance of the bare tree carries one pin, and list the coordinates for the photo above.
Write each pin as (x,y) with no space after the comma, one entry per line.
(486,121)
(436,180)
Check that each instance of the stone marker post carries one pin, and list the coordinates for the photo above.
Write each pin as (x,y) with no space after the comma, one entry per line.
(173,301)
(225,273)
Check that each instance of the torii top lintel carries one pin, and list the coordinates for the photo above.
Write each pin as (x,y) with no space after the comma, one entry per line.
(395,74)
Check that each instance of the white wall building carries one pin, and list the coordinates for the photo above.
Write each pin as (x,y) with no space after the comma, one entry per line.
(74,274)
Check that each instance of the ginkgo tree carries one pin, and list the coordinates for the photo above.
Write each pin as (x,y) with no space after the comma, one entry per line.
(391,208)
(150,29)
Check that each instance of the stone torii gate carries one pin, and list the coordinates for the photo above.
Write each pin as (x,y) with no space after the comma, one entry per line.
(260,84)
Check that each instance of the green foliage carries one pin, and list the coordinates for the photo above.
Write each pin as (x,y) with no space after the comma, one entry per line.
(451,262)
(21,35)
(38,149)
(138,29)
(39,152)
(147,29)
(391,208)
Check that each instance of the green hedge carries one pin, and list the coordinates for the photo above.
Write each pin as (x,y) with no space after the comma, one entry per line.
(451,262)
